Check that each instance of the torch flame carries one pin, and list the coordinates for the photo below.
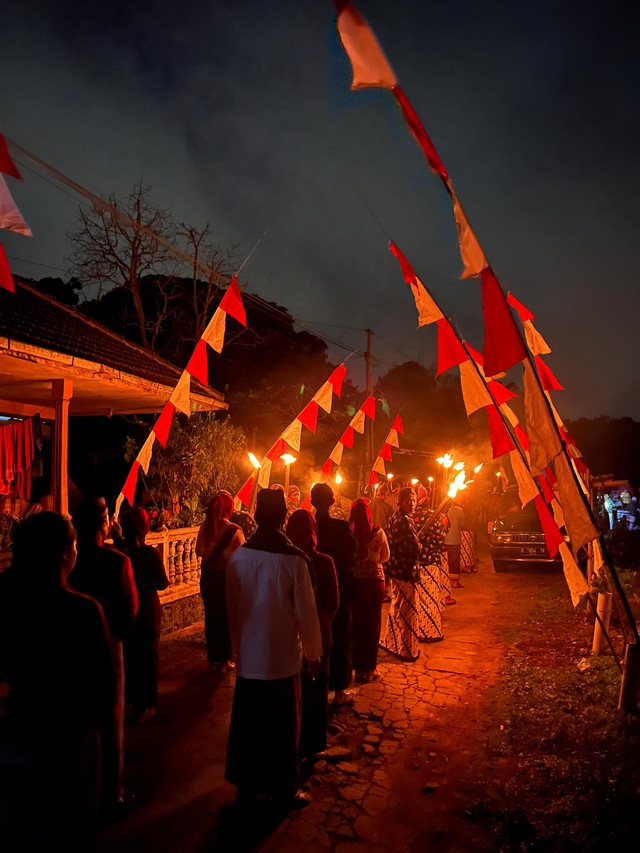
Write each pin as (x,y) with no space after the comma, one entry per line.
(338,479)
(458,484)
(253,460)
(459,466)
(288,459)
(478,468)
(446,461)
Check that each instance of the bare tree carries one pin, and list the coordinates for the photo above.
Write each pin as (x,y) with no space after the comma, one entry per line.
(212,268)
(117,246)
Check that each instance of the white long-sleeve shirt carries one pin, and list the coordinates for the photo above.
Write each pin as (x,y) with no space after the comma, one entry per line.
(272,613)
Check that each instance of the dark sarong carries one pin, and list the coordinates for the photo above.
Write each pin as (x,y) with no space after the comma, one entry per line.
(262,753)
(315,710)
(341,665)
(367,621)
(213,588)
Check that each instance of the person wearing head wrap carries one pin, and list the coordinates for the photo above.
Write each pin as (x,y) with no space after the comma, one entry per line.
(373,551)
(274,625)
(61,677)
(217,539)
(336,540)
(141,646)
(406,617)
(105,574)
(303,532)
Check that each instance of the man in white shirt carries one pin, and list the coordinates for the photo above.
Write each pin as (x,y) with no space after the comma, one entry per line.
(274,625)
(452,541)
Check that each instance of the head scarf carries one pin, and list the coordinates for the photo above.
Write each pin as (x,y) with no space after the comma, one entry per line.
(362,525)
(219,510)
(303,531)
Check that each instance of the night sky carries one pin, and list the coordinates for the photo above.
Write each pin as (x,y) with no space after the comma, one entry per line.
(239,113)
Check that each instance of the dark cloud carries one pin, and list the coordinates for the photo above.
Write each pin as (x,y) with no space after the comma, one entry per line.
(239,113)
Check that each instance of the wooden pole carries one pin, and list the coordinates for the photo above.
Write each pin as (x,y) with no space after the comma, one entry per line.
(601,627)
(61,391)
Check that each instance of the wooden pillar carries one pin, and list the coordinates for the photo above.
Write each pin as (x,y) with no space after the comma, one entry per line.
(62,391)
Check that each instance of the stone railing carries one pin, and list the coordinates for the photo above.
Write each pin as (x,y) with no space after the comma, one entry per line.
(178,550)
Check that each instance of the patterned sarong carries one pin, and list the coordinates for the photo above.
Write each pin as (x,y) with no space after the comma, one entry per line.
(467,551)
(429,604)
(402,635)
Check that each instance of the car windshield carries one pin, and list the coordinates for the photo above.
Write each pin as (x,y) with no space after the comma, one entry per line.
(510,503)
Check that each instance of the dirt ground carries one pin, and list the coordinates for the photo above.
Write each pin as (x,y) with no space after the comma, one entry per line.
(495,739)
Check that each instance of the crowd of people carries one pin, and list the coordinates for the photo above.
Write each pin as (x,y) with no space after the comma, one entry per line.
(293,601)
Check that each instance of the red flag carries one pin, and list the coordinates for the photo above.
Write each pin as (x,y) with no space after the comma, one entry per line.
(450,350)
(499,392)
(232,303)
(368,408)
(309,416)
(420,134)
(385,453)
(373,479)
(552,535)
(551,477)
(475,355)
(522,310)
(6,163)
(346,439)
(277,450)
(501,441)
(245,492)
(163,424)
(6,279)
(337,378)
(306,503)
(129,488)
(548,380)
(397,424)
(523,438)
(326,468)
(503,345)
(198,365)
(546,488)
(407,270)
(582,468)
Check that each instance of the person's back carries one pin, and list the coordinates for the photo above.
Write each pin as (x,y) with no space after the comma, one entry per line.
(60,671)
(456,518)
(106,575)
(381,512)
(269,611)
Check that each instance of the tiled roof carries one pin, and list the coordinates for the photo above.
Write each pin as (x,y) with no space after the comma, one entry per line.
(34,318)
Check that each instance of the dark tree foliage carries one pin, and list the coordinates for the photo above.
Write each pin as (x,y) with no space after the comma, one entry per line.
(609,445)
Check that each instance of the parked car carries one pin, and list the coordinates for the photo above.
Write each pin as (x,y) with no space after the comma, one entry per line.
(516,535)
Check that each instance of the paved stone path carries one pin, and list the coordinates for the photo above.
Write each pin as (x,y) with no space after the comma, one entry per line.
(398,772)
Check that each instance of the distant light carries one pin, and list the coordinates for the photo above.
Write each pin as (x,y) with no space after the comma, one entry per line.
(288,459)
(430,479)
(253,459)
(389,476)
(338,479)
(375,486)
(498,474)
(414,481)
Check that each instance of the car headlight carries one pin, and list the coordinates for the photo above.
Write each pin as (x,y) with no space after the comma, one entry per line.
(502,538)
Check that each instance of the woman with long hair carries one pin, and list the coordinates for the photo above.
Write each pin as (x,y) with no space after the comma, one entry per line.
(217,539)
(373,551)
(303,533)
(61,678)
(141,646)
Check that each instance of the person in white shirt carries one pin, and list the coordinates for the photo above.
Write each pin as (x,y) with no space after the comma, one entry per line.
(274,628)
(452,541)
